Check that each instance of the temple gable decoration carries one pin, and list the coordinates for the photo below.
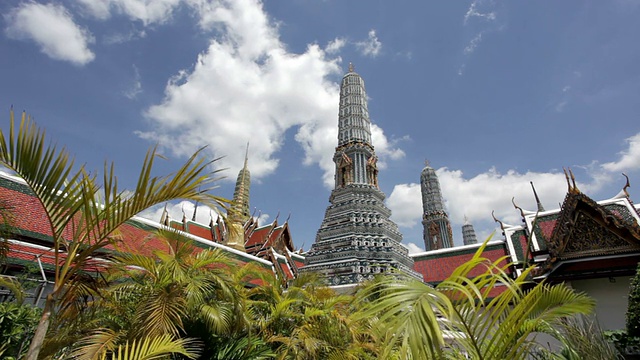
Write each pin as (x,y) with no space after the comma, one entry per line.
(586,229)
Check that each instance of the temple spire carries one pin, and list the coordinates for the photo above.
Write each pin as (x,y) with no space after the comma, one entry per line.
(355,158)
(240,204)
(239,210)
(357,239)
(437,232)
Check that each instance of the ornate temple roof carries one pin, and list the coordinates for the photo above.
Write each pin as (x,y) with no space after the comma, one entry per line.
(602,235)
(32,241)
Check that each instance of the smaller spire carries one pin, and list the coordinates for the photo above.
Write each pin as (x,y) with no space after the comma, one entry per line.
(246,156)
(426,163)
(350,67)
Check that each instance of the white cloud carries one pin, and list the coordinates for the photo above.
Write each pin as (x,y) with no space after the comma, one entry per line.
(371,46)
(473,44)
(53,29)
(473,12)
(119,38)
(405,203)
(148,12)
(263,219)
(482,10)
(247,87)
(478,196)
(136,87)
(176,211)
(385,149)
(413,248)
(629,158)
(560,106)
(100,9)
(334,46)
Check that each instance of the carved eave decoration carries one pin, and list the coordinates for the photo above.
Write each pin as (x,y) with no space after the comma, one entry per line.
(585,229)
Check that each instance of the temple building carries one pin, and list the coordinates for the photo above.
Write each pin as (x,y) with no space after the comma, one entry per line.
(435,221)
(356,239)
(239,230)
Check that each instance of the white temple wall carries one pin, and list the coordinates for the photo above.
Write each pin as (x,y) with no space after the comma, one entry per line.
(611,295)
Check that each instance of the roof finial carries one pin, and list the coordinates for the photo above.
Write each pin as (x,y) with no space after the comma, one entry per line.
(513,201)
(573,181)
(164,219)
(496,220)
(566,176)
(626,186)
(426,162)
(350,67)
(195,211)
(535,194)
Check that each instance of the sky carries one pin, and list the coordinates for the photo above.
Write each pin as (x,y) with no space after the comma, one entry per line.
(494,94)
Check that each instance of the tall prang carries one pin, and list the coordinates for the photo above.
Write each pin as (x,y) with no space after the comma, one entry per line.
(356,239)
(437,232)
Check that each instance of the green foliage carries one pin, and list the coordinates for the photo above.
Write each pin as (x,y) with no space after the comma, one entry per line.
(624,343)
(633,310)
(463,317)
(149,348)
(581,338)
(232,348)
(82,214)
(17,325)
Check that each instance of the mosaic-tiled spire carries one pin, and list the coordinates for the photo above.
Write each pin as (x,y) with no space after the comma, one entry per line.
(239,210)
(468,233)
(355,159)
(435,221)
(356,239)
(240,203)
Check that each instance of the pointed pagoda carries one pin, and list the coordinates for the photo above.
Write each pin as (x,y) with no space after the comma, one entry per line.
(437,232)
(239,210)
(356,239)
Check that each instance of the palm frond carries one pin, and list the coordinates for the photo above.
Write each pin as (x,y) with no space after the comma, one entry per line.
(153,347)
(92,347)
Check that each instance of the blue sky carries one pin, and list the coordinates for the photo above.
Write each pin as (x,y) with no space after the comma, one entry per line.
(494,93)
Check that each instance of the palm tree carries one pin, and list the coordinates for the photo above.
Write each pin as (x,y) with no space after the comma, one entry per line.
(179,291)
(82,216)
(461,317)
(308,320)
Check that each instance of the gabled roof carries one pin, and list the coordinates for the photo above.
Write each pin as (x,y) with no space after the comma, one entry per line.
(587,231)
(582,238)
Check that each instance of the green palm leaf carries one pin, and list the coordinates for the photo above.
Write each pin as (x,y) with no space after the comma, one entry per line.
(150,348)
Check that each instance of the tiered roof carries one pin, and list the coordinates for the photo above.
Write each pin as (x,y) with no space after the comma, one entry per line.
(32,241)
